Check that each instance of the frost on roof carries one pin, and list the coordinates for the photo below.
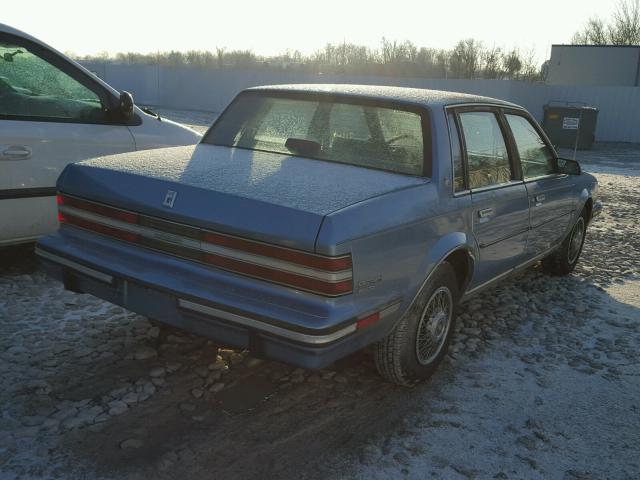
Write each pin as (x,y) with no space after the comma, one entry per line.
(420,96)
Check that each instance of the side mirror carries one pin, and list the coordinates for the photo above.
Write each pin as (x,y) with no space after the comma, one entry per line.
(125,106)
(569,166)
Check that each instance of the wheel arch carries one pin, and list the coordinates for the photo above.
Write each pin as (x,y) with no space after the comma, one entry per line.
(585,203)
(454,248)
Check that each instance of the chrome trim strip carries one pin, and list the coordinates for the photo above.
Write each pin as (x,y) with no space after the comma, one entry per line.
(521,266)
(483,104)
(103,277)
(390,310)
(496,186)
(132,228)
(329,277)
(267,327)
(488,282)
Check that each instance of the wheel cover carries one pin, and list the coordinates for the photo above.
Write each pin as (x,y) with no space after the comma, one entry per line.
(434,325)
(575,241)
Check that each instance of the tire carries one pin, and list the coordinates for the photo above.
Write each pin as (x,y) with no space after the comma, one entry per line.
(564,259)
(403,356)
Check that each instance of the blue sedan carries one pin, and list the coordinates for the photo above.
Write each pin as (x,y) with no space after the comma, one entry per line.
(314,220)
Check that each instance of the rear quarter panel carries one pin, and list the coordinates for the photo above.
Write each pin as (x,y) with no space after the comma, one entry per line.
(399,238)
(396,240)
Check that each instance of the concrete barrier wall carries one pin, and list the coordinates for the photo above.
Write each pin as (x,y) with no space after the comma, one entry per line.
(212,89)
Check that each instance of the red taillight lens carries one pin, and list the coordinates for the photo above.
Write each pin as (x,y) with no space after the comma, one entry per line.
(368,321)
(100,228)
(313,261)
(98,209)
(59,202)
(279,276)
(331,276)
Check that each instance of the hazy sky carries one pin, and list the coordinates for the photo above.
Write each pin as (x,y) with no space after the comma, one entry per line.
(274,26)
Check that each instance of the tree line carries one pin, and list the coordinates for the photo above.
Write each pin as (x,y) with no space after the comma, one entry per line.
(468,59)
(623,28)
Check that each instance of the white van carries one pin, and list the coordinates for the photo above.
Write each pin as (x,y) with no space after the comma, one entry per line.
(53,112)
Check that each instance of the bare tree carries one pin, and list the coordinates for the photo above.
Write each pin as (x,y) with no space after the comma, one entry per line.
(622,29)
(512,63)
(625,25)
(468,59)
(492,59)
(465,58)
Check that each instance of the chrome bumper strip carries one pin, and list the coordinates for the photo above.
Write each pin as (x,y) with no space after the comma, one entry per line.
(266,327)
(90,272)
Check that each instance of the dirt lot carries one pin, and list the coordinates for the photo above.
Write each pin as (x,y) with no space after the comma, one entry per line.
(543,381)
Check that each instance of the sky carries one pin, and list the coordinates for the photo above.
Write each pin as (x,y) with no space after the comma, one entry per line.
(274,26)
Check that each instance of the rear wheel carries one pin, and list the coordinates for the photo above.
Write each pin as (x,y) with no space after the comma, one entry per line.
(565,258)
(418,343)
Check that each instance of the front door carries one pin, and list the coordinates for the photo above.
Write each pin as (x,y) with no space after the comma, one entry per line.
(47,120)
(500,205)
(550,193)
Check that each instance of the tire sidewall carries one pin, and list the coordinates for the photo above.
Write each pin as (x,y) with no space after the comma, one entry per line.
(412,369)
(565,250)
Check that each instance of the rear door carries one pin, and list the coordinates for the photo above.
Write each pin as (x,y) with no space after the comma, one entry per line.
(500,204)
(550,193)
(51,114)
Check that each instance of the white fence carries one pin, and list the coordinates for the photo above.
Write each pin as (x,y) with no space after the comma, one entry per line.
(212,89)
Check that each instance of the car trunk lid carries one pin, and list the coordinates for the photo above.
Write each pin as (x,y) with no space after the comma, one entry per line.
(274,198)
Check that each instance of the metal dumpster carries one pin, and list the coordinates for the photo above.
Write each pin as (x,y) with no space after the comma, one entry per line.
(570,126)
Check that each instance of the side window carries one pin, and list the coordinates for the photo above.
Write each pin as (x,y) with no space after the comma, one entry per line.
(536,157)
(487,155)
(32,87)
(456,155)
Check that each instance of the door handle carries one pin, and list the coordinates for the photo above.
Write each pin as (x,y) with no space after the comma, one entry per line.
(15,152)
(485,212)
(539,199)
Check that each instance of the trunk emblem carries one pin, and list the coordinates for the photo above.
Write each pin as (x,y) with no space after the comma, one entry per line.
(169,199)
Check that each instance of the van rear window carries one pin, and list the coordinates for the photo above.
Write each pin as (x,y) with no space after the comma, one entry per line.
(355,133)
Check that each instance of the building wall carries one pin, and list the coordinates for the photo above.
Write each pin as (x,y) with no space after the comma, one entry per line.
(593,65)
(212,89)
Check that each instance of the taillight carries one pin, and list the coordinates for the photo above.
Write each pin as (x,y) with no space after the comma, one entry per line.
(60,201)
(331,264)
(103,210)
(74,211)
(321,274)
(331,276)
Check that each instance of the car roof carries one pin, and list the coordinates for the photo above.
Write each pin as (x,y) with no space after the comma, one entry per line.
(417,96)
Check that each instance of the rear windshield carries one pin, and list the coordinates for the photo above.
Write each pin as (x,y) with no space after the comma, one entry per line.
(358,134)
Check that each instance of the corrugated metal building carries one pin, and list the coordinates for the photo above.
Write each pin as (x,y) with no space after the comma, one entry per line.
(608,65)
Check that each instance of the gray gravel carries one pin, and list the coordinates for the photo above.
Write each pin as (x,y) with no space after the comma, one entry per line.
(542,381)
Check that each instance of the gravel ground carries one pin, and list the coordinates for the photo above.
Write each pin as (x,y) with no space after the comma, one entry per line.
(542,381)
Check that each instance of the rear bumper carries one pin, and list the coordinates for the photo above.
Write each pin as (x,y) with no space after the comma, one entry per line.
(264,334)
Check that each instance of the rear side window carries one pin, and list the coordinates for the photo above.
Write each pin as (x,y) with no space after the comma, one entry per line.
(536,157)
(358,134)
(487,156)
